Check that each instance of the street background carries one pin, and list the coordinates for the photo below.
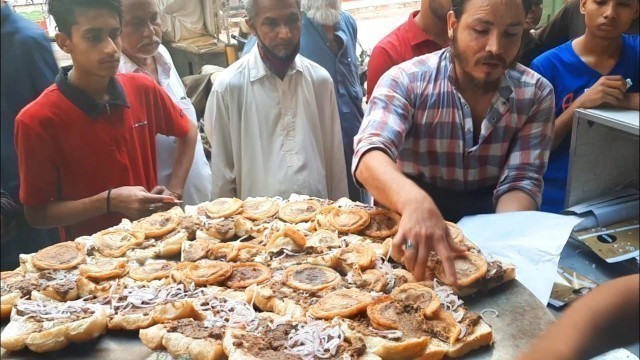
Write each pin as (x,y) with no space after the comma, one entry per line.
(375,18)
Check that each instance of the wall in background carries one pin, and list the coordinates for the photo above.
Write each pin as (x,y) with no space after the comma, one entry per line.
(550,7)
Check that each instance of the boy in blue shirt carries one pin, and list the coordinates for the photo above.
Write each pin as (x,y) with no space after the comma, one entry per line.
(588,72)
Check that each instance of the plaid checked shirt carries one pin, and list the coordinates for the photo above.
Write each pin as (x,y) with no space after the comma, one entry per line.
(418,118)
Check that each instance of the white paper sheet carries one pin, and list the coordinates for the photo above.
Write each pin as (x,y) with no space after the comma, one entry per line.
(531,240)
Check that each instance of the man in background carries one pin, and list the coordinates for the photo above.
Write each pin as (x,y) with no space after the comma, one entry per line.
(86,146)
(329,36)
(28,67)
(589,72)
(567,24)
(424,32)
(529,42)
(272,116)
(143,53)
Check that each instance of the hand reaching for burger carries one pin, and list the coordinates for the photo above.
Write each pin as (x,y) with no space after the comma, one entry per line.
(422,230)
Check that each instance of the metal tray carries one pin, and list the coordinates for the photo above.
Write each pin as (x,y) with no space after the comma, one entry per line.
(521,318)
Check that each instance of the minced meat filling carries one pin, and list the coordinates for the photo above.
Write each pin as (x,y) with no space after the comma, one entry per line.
(63,288)
(262,347)
(362,325)
(222,228)
(278,336)
(190,224)
(24,286)
(302,298)
(494,271)
(438,329)
(195,329)
(136,310)
(195,251)
(411,325)
(354,347)
(75,316)
(400,280)
(160,221)
(470,321)
(313,276)
(244,273)
(381,222)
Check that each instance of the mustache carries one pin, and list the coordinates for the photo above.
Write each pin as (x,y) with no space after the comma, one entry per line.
(154,41)
(494,59)
(110,59)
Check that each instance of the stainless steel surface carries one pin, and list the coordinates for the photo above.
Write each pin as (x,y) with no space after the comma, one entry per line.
(580,258)
(521,317)
(625,120)
(604,154)
(112,346)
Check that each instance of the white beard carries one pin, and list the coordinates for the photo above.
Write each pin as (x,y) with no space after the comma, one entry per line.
(323,12)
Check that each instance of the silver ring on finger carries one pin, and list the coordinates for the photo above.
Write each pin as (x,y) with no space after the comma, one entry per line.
(409,245)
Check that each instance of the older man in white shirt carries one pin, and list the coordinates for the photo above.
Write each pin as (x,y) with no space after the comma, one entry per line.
(143,53)
(272,116)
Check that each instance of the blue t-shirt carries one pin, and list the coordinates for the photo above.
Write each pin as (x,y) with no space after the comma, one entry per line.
(570,77)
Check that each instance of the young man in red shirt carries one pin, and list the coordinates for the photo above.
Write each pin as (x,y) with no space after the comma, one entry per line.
(424,32)
(86,146)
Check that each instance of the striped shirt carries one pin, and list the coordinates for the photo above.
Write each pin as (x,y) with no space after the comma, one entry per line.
(418,118)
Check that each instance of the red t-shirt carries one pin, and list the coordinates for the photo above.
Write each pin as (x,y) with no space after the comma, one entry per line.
(70,147)
(403,43)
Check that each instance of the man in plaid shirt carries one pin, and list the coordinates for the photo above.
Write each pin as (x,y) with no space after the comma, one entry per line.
(465,130)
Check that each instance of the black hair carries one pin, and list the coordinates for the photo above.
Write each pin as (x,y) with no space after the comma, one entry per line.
(457,6)
(64,11)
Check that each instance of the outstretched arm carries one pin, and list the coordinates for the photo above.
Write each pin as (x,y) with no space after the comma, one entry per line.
(605,319)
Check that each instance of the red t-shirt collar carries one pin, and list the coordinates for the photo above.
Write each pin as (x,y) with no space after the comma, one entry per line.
(415,33)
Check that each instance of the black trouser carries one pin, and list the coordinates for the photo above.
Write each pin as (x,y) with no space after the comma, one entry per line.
(454,205)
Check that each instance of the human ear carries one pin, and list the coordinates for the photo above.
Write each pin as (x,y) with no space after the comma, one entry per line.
(63,41)
(452,23)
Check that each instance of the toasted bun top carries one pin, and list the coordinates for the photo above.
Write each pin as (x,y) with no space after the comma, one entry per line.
(299,211)
(61,256)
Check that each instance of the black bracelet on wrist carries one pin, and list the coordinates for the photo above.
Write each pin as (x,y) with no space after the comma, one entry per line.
(109,201)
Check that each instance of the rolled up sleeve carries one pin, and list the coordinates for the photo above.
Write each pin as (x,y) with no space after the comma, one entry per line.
(388,118)
(529,153)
